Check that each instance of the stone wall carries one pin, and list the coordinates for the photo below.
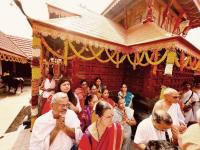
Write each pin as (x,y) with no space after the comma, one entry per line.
(140,81)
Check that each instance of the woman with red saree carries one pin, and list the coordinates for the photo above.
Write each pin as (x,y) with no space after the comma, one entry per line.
(102,134)
(105,97)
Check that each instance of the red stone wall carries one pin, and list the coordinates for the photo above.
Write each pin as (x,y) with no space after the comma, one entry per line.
(140,81)
(79,69)
(143,82)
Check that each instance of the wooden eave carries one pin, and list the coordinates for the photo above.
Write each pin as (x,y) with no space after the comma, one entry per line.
(60,31)
(109,7)
(3,51)
(174,41)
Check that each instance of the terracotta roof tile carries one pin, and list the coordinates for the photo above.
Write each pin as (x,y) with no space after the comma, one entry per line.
(24,44)
(7,45)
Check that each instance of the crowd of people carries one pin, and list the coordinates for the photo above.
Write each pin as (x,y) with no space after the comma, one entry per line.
(88,118)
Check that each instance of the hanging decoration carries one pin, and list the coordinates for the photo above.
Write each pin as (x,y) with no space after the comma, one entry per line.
(143,58)
(7,57)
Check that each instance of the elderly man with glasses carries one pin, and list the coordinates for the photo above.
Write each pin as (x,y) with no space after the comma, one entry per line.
(170,104)
(58,128)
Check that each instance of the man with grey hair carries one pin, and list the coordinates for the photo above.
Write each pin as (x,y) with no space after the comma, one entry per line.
(190,139)
(58,128)
(169,103)
(155,127)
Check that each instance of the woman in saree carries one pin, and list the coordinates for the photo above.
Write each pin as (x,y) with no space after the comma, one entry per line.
(100,86)
(105,97)
(128,96)
(86,115)
(124,115)
(94,91)
(82,92)
(103,134)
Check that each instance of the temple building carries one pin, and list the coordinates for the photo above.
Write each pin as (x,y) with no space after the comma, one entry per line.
(15,55)
(138,42)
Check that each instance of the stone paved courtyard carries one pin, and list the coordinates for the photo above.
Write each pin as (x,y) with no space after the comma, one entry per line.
(12,133)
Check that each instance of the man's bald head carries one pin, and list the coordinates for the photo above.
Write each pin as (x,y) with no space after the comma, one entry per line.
(161,117)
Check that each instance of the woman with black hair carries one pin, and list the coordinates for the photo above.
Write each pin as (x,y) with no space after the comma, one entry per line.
(100,86)
(103,134)
(64,85)
(86,116)
(125,116)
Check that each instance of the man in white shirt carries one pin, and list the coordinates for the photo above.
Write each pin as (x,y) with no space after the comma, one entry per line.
(169,103)
(188,98)
(48,86)
(155,127)
(47,89)
(57,129)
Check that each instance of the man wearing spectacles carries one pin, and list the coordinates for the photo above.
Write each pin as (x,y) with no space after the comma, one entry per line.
(170,104)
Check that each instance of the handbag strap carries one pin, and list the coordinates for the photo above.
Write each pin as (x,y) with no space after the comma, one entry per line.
(189,98)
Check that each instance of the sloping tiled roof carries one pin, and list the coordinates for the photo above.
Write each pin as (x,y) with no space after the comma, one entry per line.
(25,45)
(147,32)
(92,25)
(8,46)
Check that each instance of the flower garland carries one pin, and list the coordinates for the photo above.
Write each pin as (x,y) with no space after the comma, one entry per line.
(114,56)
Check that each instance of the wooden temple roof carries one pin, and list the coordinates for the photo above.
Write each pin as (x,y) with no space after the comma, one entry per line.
(192,9)
(94,29)
(24,44)
(14,48)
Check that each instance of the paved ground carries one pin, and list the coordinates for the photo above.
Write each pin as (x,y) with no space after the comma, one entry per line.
(10,106)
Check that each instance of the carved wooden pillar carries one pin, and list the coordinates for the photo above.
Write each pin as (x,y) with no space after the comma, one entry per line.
(36,76)
(14,68)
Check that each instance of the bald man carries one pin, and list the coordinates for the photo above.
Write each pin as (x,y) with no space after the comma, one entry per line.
(156,127)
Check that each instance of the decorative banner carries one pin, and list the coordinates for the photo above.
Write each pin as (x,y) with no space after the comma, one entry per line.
(168,69)
(36,74)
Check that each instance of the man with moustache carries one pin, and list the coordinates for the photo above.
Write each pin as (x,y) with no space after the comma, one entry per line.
(58,128)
